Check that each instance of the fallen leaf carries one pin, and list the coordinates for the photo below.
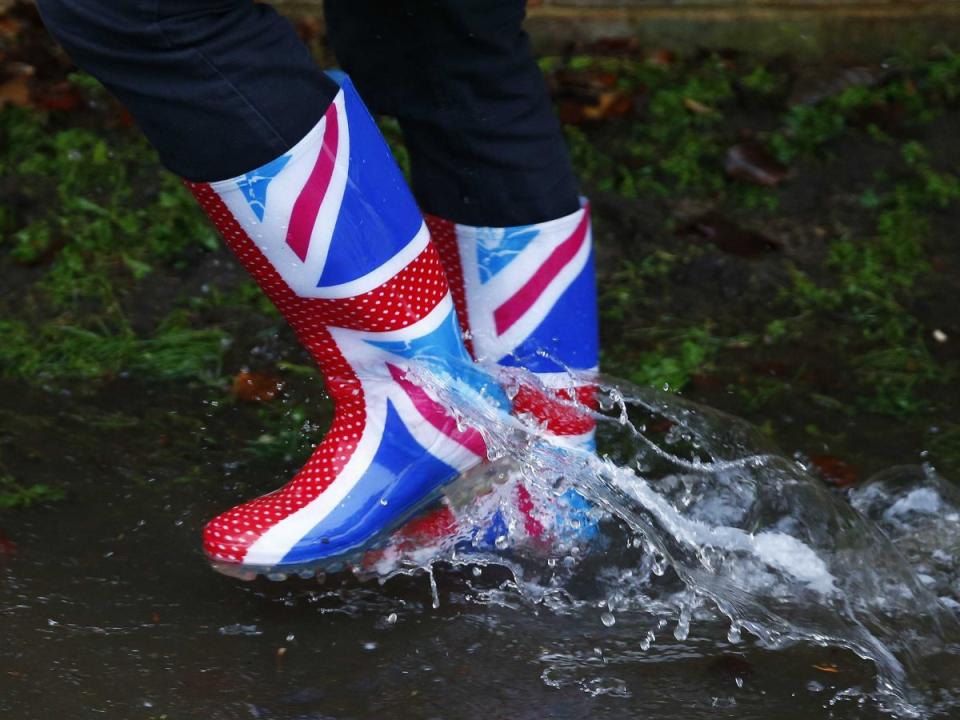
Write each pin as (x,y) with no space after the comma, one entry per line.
(751,162)
(255,387)
(309,27)
(730,237)
(63,97)
(124,118)
(661,57)
(610,104)
(835,471)
(589,95)
(7,546)
(827,668)
(613,46)
(9,27)
(697,107)
(15,90)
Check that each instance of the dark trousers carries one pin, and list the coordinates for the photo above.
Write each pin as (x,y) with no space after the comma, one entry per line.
(221,87)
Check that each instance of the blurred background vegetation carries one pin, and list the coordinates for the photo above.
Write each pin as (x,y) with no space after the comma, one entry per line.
(776,202)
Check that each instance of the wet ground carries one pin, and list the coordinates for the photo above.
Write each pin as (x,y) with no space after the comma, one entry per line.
(109,608)
(777,241)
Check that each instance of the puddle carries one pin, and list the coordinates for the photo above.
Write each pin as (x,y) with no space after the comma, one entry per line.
(722,578)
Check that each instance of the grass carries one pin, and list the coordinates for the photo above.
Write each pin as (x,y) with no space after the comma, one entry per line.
(98,239)
(674,147)
(875,277)
(865,286)
(54,353)
(14,494)
(95,217)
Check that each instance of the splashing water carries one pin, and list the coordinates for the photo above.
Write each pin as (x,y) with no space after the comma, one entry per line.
(700,513)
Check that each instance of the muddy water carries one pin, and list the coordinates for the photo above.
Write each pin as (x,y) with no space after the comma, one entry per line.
(108,608)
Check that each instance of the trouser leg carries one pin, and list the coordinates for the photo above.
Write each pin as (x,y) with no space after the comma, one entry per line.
(485,146)
(218,86)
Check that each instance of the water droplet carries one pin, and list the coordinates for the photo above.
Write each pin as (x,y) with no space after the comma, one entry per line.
(501,542)
(383,502)
(391,618)
(369,646)
(733,635)
(682,631)
(607,619)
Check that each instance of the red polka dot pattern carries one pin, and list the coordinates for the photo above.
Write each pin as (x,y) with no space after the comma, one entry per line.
(556,412)
(560,412)
(404,299)
(444,236)
(558,416)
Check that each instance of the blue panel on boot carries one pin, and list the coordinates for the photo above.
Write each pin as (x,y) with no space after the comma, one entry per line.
(401,474)
(378,215)
(575,309)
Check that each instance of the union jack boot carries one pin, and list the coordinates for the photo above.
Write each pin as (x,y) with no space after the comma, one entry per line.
(526,299)
(332,235)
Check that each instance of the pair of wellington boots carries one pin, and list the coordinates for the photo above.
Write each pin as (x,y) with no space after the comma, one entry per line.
(333,236)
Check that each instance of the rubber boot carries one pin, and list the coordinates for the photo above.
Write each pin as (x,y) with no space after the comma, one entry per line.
(332,235)
(526,299)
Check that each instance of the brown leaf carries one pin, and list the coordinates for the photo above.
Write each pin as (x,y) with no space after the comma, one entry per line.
(607,46)
(63,97)
(607,105)
(589,95)
(7,546)
(9,27)
(835,471)
(124,118)
(661,57)
(309,27)
(730,237)
(751,162)
(697,107)
(15,90)
(255,387)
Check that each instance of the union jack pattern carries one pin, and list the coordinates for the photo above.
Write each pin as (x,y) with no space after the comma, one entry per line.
(526,297)
(331,234)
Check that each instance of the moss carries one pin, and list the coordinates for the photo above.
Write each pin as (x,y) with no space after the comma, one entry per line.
(14,494)
(95,217)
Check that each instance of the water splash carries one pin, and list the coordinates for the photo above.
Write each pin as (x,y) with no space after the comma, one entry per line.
(742,530)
